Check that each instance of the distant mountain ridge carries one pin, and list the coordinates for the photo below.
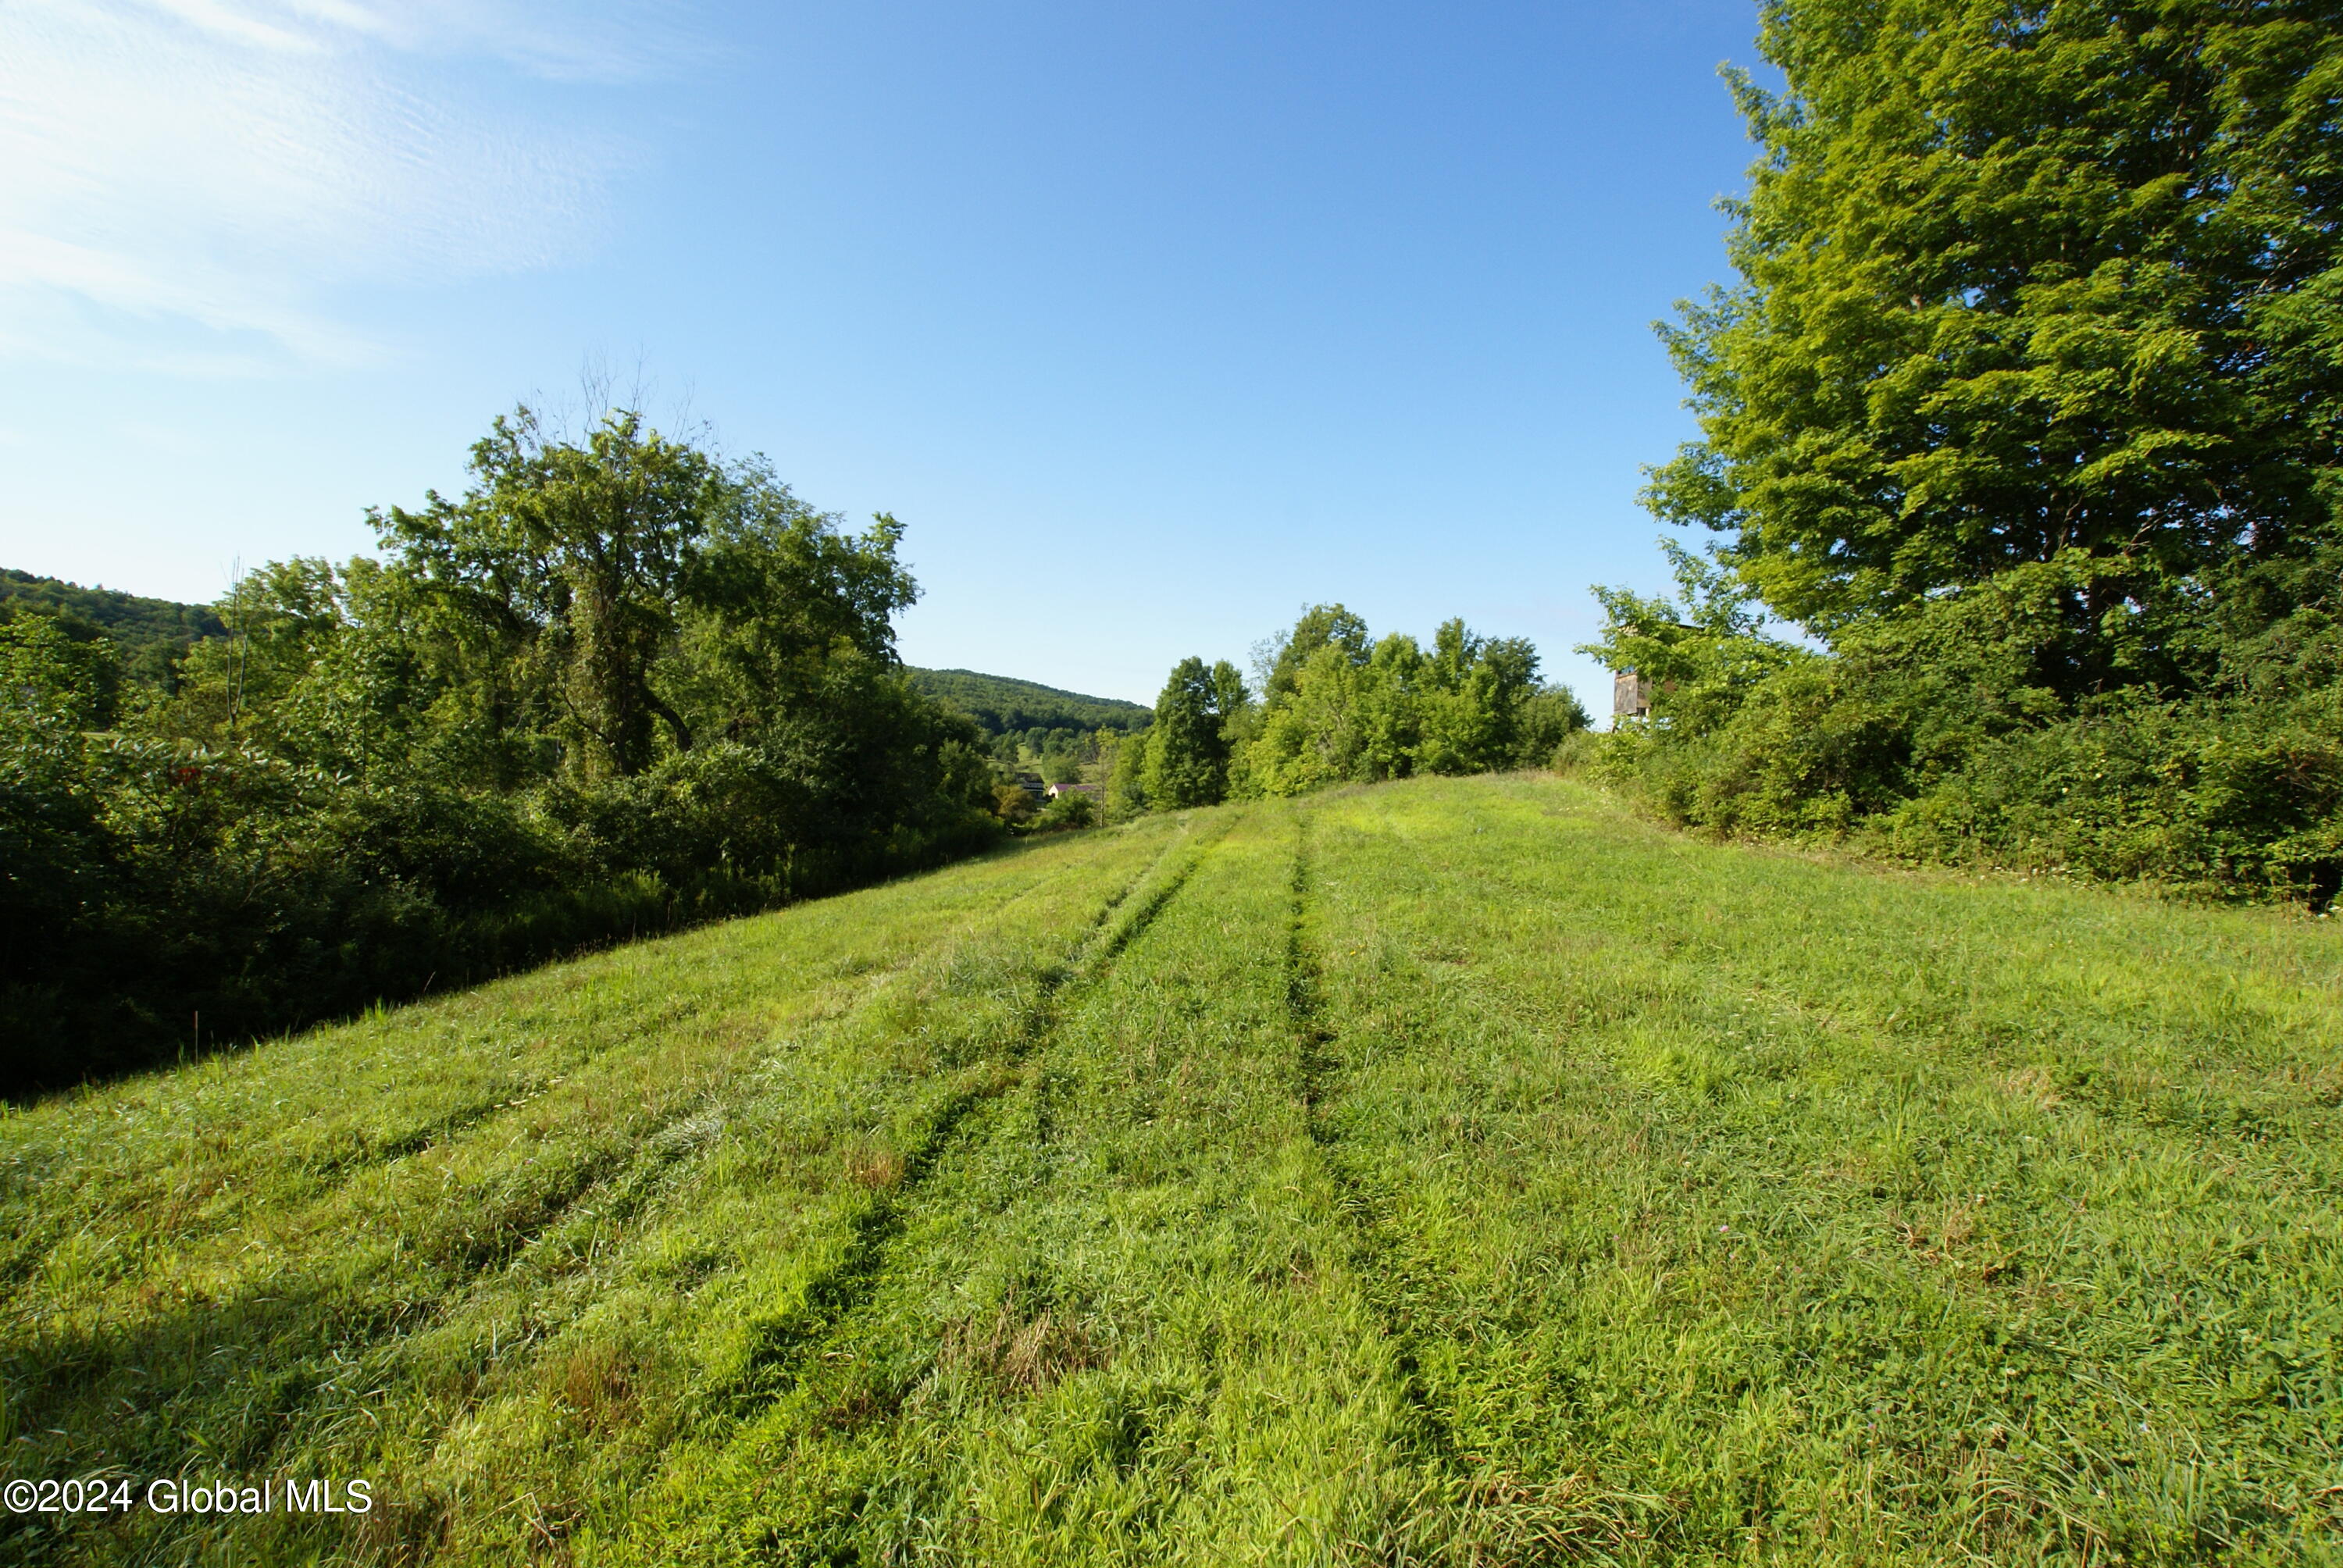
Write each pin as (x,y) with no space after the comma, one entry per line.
(1002,704)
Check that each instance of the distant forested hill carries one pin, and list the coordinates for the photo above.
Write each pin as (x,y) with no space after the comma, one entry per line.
(150,632)
(129,619)
(1003,706)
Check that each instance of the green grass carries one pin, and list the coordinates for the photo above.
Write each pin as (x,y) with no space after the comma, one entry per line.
(1442,1173)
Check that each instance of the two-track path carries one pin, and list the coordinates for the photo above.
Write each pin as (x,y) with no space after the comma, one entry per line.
(1458,1171)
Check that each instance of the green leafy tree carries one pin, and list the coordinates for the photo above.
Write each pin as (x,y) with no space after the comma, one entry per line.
(1187,761)
(49,679)
(1550,715)
(1698,654)
(565,567)
(1013,803)
(259,683)
(1124,760)
(1321,626)
(778,598)
(2025,405)
(618,685)
(1348,710)
(1316,732)
(1474,690)
(2025,283)
(1066,812)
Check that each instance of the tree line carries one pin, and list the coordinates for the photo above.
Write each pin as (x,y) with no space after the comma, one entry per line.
(2021,444)
(619,684)
(1331,704)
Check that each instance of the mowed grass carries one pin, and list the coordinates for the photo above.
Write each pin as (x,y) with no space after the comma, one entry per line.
(1455,1171)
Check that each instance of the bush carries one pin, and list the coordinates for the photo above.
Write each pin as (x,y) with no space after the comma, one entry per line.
(395,776)
(1937,734)
(1066,811)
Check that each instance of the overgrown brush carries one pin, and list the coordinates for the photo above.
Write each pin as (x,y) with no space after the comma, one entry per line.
(620,686)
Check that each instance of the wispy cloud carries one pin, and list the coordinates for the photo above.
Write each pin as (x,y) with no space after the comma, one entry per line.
(192,185)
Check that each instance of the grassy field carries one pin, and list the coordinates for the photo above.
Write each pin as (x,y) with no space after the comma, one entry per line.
(1442,1172)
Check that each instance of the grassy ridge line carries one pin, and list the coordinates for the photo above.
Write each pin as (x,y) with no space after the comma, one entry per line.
(1955,1236)
(303,1283)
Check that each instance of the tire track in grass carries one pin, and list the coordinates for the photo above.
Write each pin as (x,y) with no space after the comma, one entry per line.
(1464,1509)
(1318,1073)
(783,1345)
(635,1183)
(944,1418)
(449,1126)
(836,1267)
(481,1258)
(219,1123)
(466,1246)
(502,1255)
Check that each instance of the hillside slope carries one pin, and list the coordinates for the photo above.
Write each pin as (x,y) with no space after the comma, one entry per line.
(149,633)
(1446,1172)
(134,622)
(1002,704)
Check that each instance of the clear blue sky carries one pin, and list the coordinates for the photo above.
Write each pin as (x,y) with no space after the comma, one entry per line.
(1151,322)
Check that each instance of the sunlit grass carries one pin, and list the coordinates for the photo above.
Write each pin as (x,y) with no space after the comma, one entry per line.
(1451,1171)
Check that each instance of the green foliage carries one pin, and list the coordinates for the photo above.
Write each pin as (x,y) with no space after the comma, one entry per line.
(1125,770)
(1321,626)
(1940,733)
(617,686)
(1003,705)
(2020,282)
(50,681)
(1332,720)
(2020,405)
(1458,1172)
(1343,710)
(1013,804)
(1187,756)
(1066,811)
(149,635)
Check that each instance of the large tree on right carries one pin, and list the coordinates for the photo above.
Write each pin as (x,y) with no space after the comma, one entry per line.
(2051,284)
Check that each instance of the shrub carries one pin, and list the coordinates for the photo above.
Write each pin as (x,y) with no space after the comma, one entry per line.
(1066,811)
